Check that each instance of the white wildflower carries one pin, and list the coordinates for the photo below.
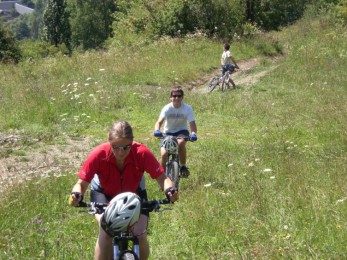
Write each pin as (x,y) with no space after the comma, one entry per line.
(341,200)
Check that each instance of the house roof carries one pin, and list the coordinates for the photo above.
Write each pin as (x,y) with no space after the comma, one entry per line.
(8,5)
(21,9)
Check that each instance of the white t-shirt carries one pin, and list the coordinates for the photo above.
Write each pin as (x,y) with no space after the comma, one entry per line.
(226,58)
(176,119)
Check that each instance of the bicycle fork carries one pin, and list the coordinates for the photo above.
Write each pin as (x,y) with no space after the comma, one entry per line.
(120,244)
(172,169)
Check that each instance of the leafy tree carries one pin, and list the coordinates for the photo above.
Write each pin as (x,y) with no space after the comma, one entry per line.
(20,27)
(28,3)
(9,52)
(36,20)
(180,17)
(56,29)
(341,11)
(91,22)
(272,14)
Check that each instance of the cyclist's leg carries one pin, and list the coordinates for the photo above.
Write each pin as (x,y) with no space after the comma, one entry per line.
(231,69)
(182,152)
(97,194)
(140,231)
(103,246)
(163,155)
(232,82)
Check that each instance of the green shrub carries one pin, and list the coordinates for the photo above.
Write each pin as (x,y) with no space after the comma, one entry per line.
(9,52)
(32,49)
(341,11)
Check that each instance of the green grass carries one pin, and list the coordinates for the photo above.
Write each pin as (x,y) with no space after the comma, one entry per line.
(268,174)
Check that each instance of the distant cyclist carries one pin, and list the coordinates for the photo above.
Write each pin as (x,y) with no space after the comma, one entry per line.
(177,115)
(228,62)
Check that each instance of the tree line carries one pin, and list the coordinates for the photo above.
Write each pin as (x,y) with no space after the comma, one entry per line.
(88,24)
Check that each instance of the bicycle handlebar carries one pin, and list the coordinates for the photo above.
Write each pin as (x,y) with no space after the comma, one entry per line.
(146,206)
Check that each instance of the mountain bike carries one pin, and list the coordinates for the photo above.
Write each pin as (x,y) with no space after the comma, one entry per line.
(172,168)
(221,81)
(125,244)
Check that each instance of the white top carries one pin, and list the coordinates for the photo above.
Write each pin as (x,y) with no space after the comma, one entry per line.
(226,58)
(176,119)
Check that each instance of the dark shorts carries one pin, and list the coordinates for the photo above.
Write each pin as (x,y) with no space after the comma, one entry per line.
(181,132)
(228,67)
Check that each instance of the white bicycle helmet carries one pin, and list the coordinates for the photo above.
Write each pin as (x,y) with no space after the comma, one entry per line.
(170,144)
(121,214)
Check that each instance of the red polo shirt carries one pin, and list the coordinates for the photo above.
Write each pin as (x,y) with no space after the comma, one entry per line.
(101,161)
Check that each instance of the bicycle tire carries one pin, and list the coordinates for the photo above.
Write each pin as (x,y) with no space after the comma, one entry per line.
(128,255)
(213,83)
(173,173)
(225,81)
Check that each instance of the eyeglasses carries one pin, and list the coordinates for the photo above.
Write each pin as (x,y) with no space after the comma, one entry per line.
(121,148)
(176,96)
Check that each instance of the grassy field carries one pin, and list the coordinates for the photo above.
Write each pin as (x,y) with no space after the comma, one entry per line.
(268,172)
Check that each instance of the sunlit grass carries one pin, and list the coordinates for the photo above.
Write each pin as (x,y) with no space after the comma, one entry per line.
(268,170)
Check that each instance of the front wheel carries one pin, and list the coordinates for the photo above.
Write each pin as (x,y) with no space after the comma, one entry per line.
(225,81)
(213,83)
(172,171)
(128,255)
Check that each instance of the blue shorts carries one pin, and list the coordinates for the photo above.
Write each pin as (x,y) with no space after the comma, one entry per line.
(181,132)
(228,67)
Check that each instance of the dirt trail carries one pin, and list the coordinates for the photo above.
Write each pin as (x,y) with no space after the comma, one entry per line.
(20,162)
(243,77)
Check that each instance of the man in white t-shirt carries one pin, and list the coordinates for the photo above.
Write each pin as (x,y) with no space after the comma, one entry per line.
(228,62)
(177,115)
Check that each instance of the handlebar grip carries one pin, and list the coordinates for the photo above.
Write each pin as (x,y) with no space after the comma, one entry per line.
(83,204)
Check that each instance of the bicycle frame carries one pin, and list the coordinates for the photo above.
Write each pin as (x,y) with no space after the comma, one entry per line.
(121,245)
(225,80)
(172,168)
(222,81)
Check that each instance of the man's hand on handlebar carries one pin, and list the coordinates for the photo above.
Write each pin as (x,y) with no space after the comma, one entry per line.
(171,194)
(75,198)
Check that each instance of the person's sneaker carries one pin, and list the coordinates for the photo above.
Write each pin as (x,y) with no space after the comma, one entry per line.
(184,171)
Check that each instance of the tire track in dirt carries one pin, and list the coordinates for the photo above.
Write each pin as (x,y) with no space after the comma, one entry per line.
(243,77)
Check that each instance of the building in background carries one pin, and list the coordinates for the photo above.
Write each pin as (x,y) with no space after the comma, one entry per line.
(12,9)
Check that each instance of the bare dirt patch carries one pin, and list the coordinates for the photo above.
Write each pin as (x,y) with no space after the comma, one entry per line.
(20,162)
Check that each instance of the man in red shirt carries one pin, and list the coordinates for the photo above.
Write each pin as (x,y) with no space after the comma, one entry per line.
(116,167)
